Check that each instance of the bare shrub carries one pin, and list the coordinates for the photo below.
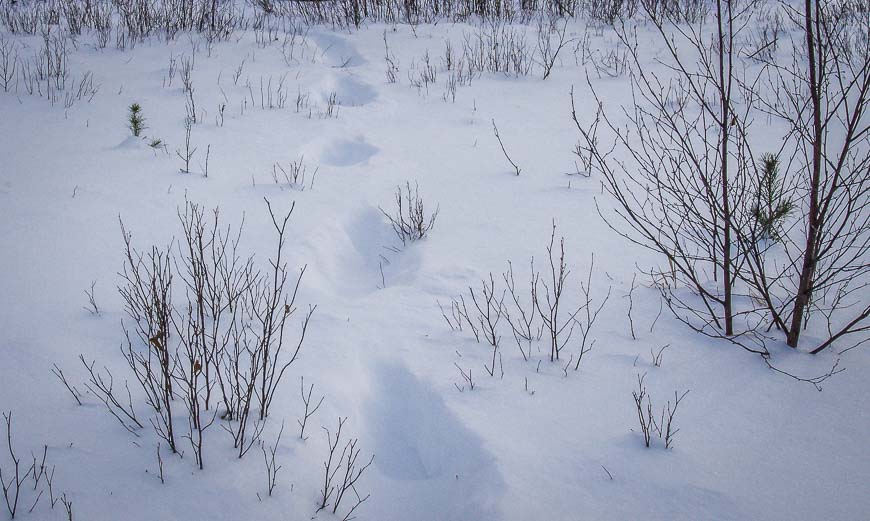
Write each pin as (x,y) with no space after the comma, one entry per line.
(14,483)
(410,220)
(589,313)
(466,376)
(9,63)
(547,301)
(497,47)
(309,410)
(58,372)
(521,316)
(23,485)
(490,309)
(92,306)
(665,428)
(342,471)
(501,144)
(272,466)
(558,326)
(656,357)
(223,344)
(551,40)
(189,150)
(294,175)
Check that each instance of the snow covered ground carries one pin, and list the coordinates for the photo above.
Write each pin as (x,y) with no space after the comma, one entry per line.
(538,442)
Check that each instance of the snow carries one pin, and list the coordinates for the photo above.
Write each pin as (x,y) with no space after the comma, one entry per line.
(752,444)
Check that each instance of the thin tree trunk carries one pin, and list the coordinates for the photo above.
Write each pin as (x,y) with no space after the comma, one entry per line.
(805,282)
(724,123)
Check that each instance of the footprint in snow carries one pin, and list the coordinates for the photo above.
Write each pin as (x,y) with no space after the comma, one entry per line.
(439,465)
(337,51)
(343,152)
(349,90)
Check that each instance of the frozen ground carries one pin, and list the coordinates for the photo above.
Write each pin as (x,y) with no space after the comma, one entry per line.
(533,444)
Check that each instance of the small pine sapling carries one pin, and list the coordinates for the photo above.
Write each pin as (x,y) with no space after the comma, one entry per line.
(135,120)
(772,205)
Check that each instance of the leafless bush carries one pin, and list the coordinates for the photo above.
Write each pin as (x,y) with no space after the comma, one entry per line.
(238,373)
(309,410)
(466,376)
(656,358)
(228,334)
(410,221)
(341,473)
(186,72)
(130,22)
(92,306)
(454,321)
(585,148)
(630,297)
(609,11)
(160,473)
(58,372)
(274,303)
(765,39)
(501,144)
(490,309)
(189,151)
(450,87)
(547,300)
(273,93)
(8,63)
(147,294)
(496,47)
(558,327)
(423,74)
(669,430)
(332,106)
(612,12)
(191,370)
(272,466)
(102,385)
(67,507)
(551,41)
(589,313)
(295,177)
(521,317)
(24,485)
(644,410)
(391,61)
(13,484)
(665,428)
(611,63)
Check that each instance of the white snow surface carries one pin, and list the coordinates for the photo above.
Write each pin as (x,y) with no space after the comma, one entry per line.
(752,444)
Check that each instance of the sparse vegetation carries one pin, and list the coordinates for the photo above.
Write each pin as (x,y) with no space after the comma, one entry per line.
(716,162)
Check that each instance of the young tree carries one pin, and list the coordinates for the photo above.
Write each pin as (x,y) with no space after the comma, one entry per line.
(682,191)
(823,97)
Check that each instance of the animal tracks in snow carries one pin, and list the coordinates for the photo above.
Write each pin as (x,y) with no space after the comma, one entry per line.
(360,255)
(347,152)
(349,90)
(337,51)
(438,464)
